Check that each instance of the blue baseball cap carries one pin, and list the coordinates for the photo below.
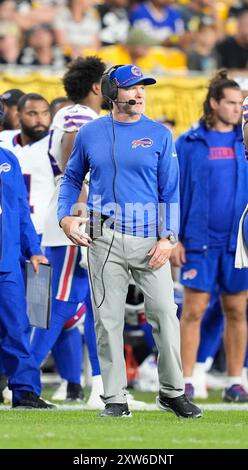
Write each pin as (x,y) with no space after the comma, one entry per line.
(129,75)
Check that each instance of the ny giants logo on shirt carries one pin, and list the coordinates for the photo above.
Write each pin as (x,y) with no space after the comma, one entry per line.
(5,167)
(145,142)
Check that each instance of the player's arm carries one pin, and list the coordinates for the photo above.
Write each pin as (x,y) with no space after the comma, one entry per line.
(30,245)
(66,147)
(75,172)
(168,194)
(66,150)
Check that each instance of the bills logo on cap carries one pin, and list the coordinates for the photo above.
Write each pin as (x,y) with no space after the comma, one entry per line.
(136,71)
(145,142)
(5,167)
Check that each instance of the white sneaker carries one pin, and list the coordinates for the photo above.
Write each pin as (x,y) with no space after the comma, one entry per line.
(83,263)
(245,378)
(135,404)
(7,396)
(95,402)
(60,393)
(200,391)
(200,381)
(216,381)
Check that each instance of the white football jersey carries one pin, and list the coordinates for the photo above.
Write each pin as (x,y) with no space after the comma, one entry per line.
(67,119)
(244,113)
(38,172)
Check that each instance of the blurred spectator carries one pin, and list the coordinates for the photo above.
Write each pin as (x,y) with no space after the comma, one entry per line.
(203,56)
(233,51)
(158,19)
(50,3)
(41,49)
(139,49)
(58,103)
(24,15)
(10,42)
(7,10)
(11,116)
(198,12)
(238,6)
(114,21)
(77,26)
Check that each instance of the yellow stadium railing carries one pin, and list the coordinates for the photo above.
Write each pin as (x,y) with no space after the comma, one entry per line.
(179,98)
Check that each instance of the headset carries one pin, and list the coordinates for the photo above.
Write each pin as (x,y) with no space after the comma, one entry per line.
(108,87)
(109,91)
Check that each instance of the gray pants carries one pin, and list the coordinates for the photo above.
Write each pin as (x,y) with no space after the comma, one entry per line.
(129,253)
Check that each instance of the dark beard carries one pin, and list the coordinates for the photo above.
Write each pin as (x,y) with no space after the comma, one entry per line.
(33,134)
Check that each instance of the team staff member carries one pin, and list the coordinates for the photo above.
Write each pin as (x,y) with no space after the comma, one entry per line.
(244,236)
(134,163)
(214,180)
(70,285)
(17,234)
(10,99)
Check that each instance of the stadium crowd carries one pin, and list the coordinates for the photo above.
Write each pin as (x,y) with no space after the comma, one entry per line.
(163,35)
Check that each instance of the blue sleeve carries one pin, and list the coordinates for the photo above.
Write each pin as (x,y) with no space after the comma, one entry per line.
(184,182)
(72,181)
(29,239)
(168,189)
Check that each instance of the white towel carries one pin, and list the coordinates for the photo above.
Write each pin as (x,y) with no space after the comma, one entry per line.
(241,257)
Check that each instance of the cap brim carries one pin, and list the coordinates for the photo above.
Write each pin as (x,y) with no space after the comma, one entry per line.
(145,80)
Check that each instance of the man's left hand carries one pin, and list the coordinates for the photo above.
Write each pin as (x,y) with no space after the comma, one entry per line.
(160,253)
(36,260)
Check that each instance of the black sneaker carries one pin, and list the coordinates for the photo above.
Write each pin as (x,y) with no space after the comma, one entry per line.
(31,400)
(116,410)
(3,385)
(181,406)
(74,392)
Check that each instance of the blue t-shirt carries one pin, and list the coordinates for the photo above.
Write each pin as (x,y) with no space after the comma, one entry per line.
(147,177)
(222,185)
(143,17)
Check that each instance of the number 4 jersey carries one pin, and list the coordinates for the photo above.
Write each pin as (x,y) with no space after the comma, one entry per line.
(38,171)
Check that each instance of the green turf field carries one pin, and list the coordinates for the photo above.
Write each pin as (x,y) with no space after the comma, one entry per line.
(78,429)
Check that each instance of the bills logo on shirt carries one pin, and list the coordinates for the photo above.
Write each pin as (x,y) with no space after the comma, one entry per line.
(221,153)
(145,142)
(191,274)
(5,167)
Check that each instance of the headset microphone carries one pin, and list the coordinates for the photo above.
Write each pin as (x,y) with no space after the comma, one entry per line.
(130,102)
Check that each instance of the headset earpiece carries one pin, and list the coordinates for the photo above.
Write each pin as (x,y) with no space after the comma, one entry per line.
(108,87)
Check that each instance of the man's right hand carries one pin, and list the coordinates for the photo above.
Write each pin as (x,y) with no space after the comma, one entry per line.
(74,228)
(178,255)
